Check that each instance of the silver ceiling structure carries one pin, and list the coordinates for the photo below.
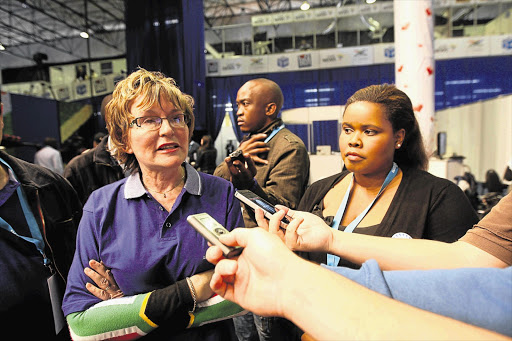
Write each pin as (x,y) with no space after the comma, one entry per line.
(49,30)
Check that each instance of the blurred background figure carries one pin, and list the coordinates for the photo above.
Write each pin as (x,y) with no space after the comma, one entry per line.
(206,156)
(49,156)
(97,139)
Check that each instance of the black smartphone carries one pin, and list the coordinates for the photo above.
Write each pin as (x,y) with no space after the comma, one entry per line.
(211,229)
(254,201)
(237,155)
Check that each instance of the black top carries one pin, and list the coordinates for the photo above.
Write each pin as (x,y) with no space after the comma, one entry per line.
(424,206)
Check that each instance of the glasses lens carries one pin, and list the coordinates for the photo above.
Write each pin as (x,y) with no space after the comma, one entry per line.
(178,121)
(150,123)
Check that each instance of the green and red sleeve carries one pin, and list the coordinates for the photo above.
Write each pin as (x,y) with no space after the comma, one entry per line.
(129,318)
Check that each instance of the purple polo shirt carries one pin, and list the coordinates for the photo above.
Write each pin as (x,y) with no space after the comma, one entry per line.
(146,247)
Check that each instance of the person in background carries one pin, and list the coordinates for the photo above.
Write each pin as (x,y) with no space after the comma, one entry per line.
(276,168)
(385,190)
(206,156)
(137,227)
(49,156)
(468,280)
(97,139)
(193,147)
(39,215)
(94,168)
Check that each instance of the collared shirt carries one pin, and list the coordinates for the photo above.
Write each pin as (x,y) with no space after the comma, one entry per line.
(145,246)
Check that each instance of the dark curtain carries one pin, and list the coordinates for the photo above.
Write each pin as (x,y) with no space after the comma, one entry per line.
(168,36)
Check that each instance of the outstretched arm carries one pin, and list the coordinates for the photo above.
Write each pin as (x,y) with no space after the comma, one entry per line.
(317,299)
(308,232)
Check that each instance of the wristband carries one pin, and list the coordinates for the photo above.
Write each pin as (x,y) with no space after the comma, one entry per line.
(194,296)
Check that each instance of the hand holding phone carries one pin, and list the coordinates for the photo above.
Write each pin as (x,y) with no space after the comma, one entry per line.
(210,229)
(254,201)
(237,155)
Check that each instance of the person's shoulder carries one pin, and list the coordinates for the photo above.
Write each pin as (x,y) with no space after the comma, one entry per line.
(81,160)
(287,135)
(424,179)
(107,192)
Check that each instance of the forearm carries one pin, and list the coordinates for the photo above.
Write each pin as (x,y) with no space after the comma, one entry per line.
(341,309)
(409,254)
(135,316)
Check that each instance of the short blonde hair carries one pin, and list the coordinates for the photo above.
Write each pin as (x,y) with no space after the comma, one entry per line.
(151,85)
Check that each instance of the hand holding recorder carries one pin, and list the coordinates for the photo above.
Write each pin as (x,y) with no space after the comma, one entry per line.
(254,202)
(305,232)
(211,230)
(255,279)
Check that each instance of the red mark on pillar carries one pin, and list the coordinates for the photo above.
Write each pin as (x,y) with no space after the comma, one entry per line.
(406,26)
(418,107)
(430,70)
(400,68)
(428,11)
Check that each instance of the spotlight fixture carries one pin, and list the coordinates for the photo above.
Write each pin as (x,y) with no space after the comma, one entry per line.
(84,35)
(2,47)
(305,6)
(370,1)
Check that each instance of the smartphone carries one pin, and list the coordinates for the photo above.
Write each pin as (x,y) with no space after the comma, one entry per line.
(254,201)
(237,155)
(210,229)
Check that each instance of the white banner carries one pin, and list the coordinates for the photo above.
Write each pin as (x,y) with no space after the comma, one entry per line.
(450,48)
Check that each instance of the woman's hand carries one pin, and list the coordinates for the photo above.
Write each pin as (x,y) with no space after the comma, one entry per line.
(255,279)
(106,284)
(201,284)
(306,231)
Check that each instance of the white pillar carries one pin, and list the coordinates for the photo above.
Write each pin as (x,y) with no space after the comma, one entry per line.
(414,61)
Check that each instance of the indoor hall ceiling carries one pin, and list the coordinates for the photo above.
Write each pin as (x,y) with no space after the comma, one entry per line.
(51,28)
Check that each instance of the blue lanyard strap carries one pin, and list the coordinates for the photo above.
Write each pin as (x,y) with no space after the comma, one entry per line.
(332,260)
(37,238)
(274,132)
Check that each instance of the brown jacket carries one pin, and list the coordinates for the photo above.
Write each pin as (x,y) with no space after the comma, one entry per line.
(284,179)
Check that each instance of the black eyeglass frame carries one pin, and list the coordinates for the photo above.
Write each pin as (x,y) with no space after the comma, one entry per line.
(136,121)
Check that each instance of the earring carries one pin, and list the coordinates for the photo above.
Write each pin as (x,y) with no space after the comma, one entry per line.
(398,145)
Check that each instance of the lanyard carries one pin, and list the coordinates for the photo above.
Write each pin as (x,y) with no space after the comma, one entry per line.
(37,238)
(274,132)
(332,260)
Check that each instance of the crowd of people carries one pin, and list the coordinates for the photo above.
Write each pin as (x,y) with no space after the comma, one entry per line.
(102,249)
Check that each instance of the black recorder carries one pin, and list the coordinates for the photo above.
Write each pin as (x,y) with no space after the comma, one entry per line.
(237,155)
(254,201)
(210,229)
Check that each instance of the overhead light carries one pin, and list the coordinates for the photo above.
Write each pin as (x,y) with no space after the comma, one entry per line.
(370,1)
(84,35)
(2,47)
(305,6)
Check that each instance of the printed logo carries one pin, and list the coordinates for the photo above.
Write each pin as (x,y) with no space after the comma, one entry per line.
(213,66)
(360,53)
(63,93)
(507,44)
(401,235)
(389,52)
(304,60)
(332,58)
(283,62)
(256,61)
(231,67)
(81,89)
(100,85)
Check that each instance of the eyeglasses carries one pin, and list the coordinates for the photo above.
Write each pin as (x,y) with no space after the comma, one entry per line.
(154,122)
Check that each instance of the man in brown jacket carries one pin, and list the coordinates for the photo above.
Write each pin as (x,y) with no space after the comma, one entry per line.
(277,166)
